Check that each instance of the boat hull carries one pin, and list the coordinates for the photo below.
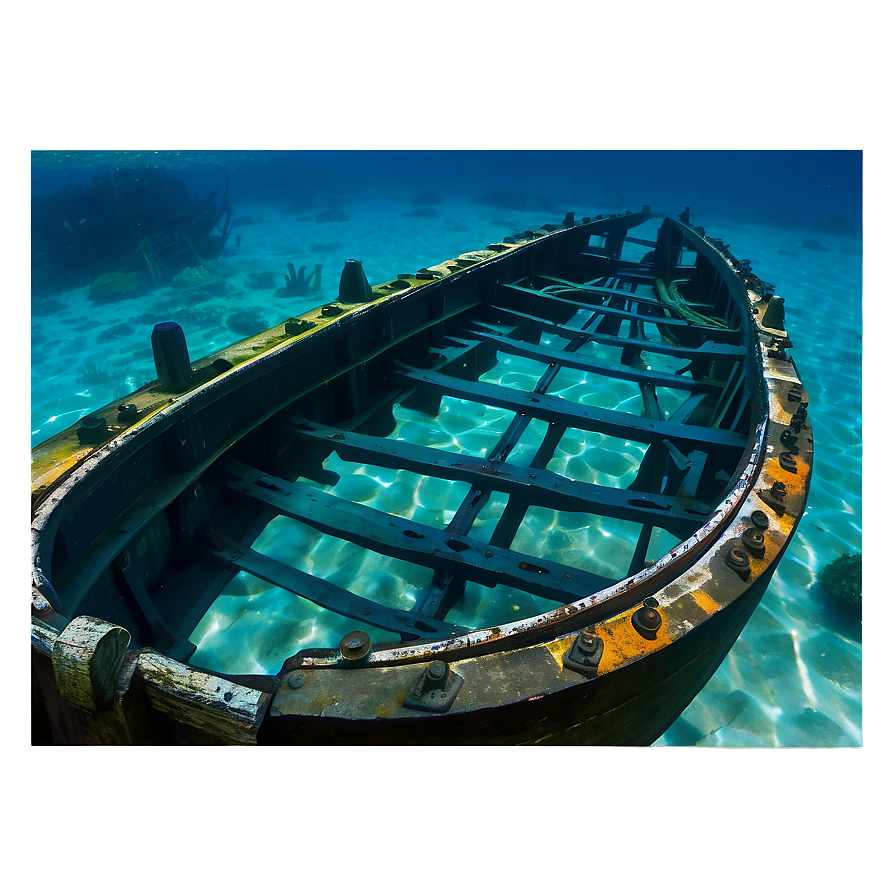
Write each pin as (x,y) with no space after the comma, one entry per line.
(630,707)
(110,633)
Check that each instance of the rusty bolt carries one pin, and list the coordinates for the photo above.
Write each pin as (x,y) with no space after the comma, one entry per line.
(787,462)
(779,489)
(355,645)
(754,541)
(436,671)
(296,680)
(738,560)
(759,518)
(646,621)
(436,676)
(587,644)
(789,438)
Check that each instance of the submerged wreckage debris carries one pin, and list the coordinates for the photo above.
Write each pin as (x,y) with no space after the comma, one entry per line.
(129,220)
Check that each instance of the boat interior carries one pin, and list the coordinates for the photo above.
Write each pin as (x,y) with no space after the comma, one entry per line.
(493,445)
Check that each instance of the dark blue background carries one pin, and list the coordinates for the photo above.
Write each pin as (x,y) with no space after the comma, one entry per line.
(507,75)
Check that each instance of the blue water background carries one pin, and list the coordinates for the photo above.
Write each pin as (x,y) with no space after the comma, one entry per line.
(794,677)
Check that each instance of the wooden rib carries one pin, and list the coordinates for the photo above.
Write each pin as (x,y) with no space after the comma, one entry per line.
(709,349)
(512,293)
(568,413)
(536,486)
(407,540)
(323,593)
(589,365)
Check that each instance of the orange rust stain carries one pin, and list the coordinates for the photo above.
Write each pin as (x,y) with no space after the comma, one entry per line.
(705,602)
(623,645)
(559,647)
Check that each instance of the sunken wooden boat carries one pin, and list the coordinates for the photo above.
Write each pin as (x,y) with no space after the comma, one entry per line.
(515,614)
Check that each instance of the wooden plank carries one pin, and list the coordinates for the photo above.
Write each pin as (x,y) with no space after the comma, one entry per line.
(224,712)
(507,292)
(708,349)
(569,413)
(535,486)
(406,540)
(589,365)
(325,594)
(593,289)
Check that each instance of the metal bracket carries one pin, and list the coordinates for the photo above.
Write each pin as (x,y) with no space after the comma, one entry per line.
(584,654)
(436,689)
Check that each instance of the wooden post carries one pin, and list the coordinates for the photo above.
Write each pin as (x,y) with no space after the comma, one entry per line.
(86,658)
(83,679)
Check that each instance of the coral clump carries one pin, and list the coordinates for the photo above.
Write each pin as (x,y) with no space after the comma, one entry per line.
(298,284)
(247,323)
(841,580)
(115,287)
(196,276)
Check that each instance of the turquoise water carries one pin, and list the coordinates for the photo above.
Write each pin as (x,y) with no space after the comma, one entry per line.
(794,676)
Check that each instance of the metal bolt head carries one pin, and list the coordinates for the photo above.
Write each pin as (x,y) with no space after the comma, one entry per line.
(779,489)
(650,617)
(355,645)
(788,436)
(296,680)
(754,541)
(739,561)
(647,621)
(738,556)
(587,644)
(436,671)
(759,518)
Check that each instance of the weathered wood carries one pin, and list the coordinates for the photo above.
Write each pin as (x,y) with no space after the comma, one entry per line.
(708,350)
(126,719)
(590,365)
(396,537)
(514,294)
(535,486)
(568,413)
(325,594)
(86,658)
(43,637)
(225,712)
